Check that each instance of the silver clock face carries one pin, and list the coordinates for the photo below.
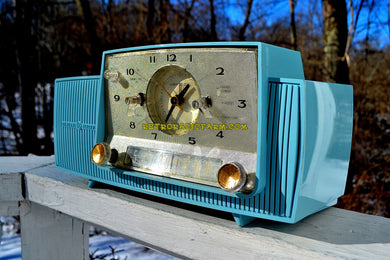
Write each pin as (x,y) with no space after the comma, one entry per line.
(170,94)
(183,112)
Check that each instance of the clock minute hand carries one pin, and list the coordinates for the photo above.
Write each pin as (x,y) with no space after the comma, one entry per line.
(177,101)
(169,113)
(174,101)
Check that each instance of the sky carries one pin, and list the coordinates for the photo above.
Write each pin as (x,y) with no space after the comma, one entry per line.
(379,29)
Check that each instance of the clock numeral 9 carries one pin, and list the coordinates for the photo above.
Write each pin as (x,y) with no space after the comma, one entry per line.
(117,98)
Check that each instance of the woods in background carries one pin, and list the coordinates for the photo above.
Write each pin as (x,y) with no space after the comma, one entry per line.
(345,42)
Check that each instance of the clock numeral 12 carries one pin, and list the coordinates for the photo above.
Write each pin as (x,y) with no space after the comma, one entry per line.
(171,57)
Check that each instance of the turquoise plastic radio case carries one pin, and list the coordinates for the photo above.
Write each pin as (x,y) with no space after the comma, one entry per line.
(303,140)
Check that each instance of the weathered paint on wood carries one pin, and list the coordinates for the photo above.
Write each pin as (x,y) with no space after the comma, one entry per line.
(50,234)
(11,187)
(9,208)
(187,233)
(11,179)
(15,164)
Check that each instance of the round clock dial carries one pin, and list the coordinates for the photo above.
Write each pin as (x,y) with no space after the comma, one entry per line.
(170,93)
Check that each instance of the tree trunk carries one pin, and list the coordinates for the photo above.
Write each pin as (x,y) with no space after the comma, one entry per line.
(90,26)
(241,34)
(150,20)
(165,31)
(335,40)
(187,15)
(26,61)
(213,22)
(293,29)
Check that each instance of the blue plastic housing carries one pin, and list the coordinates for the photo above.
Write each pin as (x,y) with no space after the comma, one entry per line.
(303,142)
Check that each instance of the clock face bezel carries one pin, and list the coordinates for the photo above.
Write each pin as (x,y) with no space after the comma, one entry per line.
(188,149)
(178,109)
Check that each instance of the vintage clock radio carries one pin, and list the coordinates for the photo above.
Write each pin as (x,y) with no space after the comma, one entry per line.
(232,126)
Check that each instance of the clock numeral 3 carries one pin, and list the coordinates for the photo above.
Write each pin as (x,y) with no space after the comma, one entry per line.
(242,103)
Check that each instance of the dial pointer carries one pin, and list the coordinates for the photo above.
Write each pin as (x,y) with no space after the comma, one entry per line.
(169,113)
(174,102)
(180,97)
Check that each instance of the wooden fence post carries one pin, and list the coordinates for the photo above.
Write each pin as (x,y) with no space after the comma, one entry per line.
(49,234)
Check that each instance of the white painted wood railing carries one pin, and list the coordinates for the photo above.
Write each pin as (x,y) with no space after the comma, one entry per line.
(56,209)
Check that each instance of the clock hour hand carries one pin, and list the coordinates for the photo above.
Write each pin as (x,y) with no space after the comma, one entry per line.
(181,95)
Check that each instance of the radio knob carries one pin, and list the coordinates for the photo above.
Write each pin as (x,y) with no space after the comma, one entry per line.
(111,75)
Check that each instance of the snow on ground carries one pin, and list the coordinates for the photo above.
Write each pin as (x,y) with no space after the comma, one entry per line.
(101,245)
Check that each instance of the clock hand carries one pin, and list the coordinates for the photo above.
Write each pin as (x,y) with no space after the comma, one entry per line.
(181,95)
(166,91)
(177,101)
(169,113)
(174,101)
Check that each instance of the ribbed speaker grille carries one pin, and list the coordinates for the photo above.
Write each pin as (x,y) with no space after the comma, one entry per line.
(75,127)
(75,122)
(283,145)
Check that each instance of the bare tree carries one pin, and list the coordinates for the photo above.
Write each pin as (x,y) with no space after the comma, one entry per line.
(241,34)
(388,16)
(213,22)
(293,29)
(165,30)
(352,28)
(26,62)
(90,26)
(187,15)
(335,40)
(150,19)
